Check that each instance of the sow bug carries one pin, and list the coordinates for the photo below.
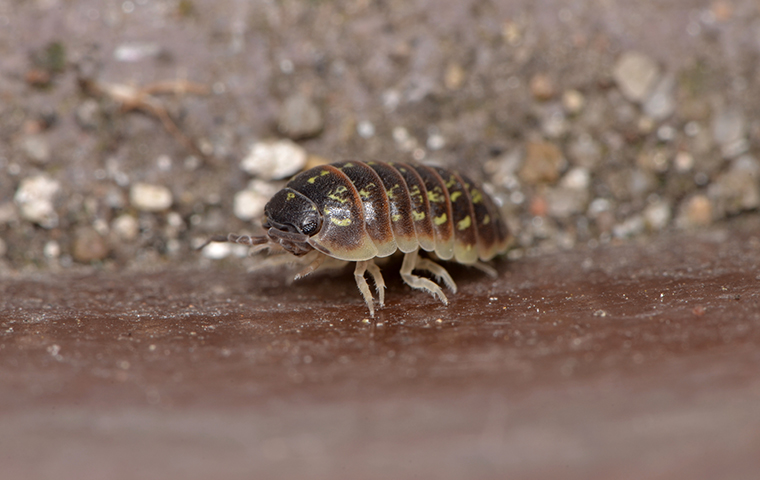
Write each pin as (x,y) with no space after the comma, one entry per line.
(357,211)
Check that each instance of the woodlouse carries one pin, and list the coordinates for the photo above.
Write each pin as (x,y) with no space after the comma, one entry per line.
(357,211)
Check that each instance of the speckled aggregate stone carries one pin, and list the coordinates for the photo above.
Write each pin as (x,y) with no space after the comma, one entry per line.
(582,121)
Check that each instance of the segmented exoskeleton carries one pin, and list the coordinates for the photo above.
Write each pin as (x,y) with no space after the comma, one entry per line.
(357,211)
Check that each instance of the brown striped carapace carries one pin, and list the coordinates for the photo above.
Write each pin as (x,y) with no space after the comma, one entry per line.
(357,211)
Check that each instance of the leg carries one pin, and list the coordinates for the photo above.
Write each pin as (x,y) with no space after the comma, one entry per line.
(361,267)
(486,268)
(410,262)
(312,266)
(374,270)
(277,259)
(233,238)
(438,271)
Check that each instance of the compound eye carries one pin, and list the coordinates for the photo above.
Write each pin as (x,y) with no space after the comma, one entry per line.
(310,226)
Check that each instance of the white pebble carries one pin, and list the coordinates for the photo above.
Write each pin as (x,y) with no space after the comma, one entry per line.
(630,227)
(126,227)
(661,103)
(150,198)
(658,215)
(365,129)
(578,178)
(573,101)
(216,250)
(134,52)
(51,249)
(249,204)
(35,198)
(636,74)
(683,161)
(436,141)
(274,159)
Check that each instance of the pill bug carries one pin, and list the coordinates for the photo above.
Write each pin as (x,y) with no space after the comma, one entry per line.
(358,211)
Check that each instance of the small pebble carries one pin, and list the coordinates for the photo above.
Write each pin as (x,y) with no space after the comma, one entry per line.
(563,202)
(542,87)
(300,118)
(573,101)
(88,246)
(148,197)
(729,125)
(249,204)
(88,114)
(696,211)
(738,189)
(217,250)
(543,163)
(660,104)
(657,215)
(684,161)
(636,74)
(584,151)
(36,148)
(134,52)
(35,196)
(578,178)
(436,141)
(274,159)
(454,77)
(553,122)
(126,227)
(630,227)
(51,249)
(365,129)
(729,128)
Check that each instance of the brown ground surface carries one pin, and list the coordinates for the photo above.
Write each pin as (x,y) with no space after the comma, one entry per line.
(630,361)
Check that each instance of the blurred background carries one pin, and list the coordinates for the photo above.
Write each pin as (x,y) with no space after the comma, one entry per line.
(132,130)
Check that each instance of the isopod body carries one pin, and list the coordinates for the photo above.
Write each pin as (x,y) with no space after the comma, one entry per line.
(358,211)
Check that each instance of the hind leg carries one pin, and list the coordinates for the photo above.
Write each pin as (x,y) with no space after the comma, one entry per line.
(438,271)
(361,282)
(411,261)
(374,270)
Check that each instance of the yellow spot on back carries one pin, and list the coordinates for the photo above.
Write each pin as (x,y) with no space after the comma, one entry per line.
(341,222)
(290,196)
(348,165)
(312,179)
(418,216)
(455,195)
(337,194)
(486,220)
(440,220)
(464,223)
(363,193)
(451,182)
(477,197)
(390,192)
(434,196)
(395,217)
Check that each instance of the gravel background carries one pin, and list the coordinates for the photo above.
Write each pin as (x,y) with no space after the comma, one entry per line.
(131,131)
